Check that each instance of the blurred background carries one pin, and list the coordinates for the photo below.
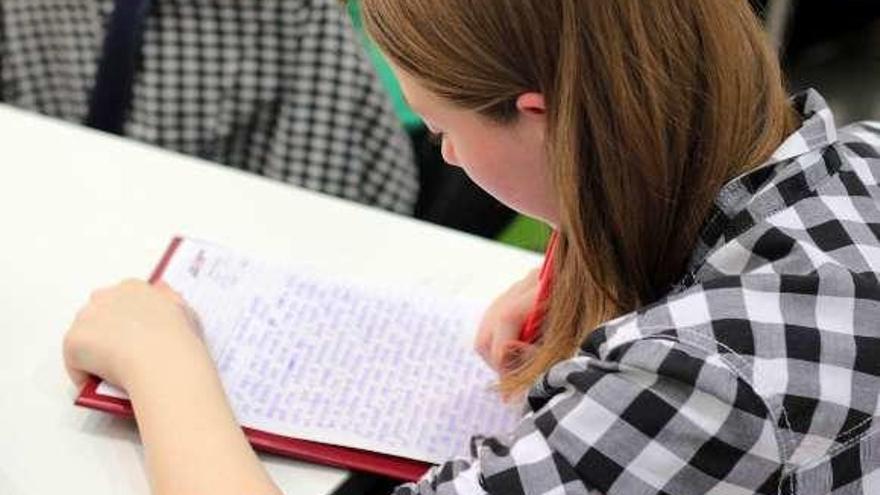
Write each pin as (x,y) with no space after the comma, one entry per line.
(833,46)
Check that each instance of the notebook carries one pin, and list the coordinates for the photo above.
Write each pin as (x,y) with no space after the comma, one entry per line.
(323,368)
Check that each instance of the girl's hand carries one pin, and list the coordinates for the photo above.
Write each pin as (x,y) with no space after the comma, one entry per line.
(127,329)
(144,339)
(498,334)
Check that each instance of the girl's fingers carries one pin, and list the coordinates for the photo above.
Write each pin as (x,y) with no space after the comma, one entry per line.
(505,318)
(509,328)
(483,342)
(505,334)
(77,376)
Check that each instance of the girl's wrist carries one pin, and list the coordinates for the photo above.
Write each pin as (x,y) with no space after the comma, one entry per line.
(160,372)
(182,413)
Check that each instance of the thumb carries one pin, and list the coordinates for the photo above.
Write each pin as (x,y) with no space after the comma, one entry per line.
(192,316)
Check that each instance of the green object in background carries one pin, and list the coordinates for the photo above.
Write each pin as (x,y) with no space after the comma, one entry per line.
(526,233)
(408,118)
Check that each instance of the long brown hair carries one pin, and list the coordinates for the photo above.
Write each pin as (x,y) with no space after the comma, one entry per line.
(651,107)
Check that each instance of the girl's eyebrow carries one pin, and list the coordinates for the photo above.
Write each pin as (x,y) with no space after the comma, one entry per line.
(406,100)
(414,108)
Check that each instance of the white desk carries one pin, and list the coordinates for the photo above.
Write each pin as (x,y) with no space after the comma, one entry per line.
(79,210)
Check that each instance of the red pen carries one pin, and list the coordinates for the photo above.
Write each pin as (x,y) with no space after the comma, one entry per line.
(532,326)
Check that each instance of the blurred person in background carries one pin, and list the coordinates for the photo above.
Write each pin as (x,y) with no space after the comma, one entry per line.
(280,88)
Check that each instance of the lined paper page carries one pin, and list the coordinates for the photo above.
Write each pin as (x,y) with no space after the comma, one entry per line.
(388,369)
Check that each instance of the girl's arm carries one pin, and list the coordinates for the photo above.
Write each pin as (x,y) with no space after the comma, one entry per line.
(192,441)
(143,339)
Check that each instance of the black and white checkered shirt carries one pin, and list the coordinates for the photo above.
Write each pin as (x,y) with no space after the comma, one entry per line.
(760,374)
(277,87)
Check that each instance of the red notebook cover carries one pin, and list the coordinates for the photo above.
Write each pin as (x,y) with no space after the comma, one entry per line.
(332,455)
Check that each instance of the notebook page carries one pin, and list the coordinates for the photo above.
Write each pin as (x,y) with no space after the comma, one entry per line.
(317,357)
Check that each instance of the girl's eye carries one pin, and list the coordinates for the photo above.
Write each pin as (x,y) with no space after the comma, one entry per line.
(435,137)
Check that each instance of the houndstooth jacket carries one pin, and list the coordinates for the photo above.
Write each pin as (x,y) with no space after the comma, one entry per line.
(760,373)
(277,87)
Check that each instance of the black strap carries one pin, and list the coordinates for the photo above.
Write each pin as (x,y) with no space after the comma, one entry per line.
(111,97)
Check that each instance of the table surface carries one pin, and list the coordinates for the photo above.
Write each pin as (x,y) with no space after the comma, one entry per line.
(80,210)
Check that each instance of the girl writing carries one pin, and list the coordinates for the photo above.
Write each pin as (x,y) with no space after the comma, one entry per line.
(711,324)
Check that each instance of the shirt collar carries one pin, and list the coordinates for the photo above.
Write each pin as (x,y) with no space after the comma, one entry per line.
(735,208)
(817,130)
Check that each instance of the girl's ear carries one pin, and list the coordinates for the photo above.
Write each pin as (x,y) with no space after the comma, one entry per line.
(531,103)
